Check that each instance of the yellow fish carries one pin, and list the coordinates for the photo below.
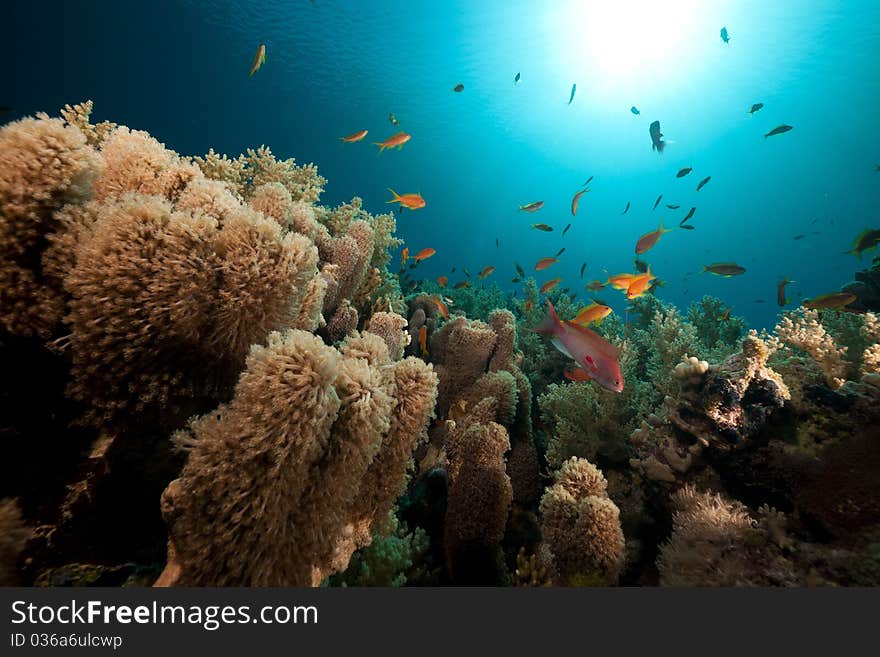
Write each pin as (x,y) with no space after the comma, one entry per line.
(259,59)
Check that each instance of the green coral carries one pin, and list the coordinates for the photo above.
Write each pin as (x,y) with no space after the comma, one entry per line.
(715,328)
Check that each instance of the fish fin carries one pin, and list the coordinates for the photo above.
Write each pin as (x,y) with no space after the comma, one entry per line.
(576,374)
(395,195)
(556,342)
(551,320)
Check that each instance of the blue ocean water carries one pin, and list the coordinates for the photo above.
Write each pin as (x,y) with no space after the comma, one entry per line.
(179,70)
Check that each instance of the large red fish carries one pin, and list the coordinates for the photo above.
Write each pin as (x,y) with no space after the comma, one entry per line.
(592,353)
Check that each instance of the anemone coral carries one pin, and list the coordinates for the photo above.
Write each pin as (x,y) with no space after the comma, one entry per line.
(333,431)
(580,527)
(391,327)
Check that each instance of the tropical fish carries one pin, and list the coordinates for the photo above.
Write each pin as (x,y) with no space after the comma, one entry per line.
(648,240)
(560,252)
(780,292)
(544,227)
(683,172)
(397,139)
(356,136)
(576,374)
(657,143)
(393,119)
(424,254)
(515,279)
(638,285)
(576,200)
(778,130)
(442,308)
(532,207)
(725,316)
(486,271)
(726,269)
(686,226)
(591,352)
(672,206)
(687,216)
(442,281)
(595,312)
(589,180)
(458,88)
(517,79)
(641,266)
(404,256)
(725,37)
(755,108)
(833,301)
(573,89)
(408,201)
(259,59)
(867,240)
(617,281)
(543,263)
(461,284)
(626,209)
(549,285)
(594,286)
(497,243)
(520,270)
(657,202)
(423,339)
(565,230)
(703,182)
(583,267)
(634,110)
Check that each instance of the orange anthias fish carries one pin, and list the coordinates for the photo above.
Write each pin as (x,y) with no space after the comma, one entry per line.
(648,240)
(409,201)
(356,136)
(543,263)
(780,292)
(590,351)
(639,284)
(620,281)
(404,256)
(442,308)
(576,200)
(595,312)
(549,285)
(442,281)
(259,59)
(486,271)
(397,140)
(532,207)
(576,374)
(423,340)
(424,254)
(833,301)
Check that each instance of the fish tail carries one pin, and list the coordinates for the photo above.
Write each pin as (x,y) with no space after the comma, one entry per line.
(380,145)
(551,320)
(705,269)
(395,195)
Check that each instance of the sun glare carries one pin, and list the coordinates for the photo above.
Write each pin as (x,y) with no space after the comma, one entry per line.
(622,43)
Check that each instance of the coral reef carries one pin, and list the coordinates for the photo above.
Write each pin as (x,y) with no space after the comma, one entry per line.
(13,536)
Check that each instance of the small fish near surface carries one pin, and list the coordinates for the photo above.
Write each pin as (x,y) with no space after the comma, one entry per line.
(687,216)
(833,301)
(486,271)
(259,59)
(543,263)
(576,200)
(396,140)
(725,36)
(408,201)
(565,230)
(867,240)
(780,292)
(393,119)
(573,90)
(549,285)
(647,241)
(725,269)
(532,207)
(634,110)
(779,130)
(686,226)
(458,88)
(756,108)
(517,79)
(672,206)
(543,227)
(657,202)
(583,267)
(590,351)
(626,209)
(657,142)
(589,180)
(703,182)
(560,252)
(683,172)
(354,137)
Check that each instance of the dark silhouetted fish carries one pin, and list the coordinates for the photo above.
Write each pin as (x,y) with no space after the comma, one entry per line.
(703,182)
(634,110)
(583,267)
(755,108)
(516,79)
(683,172)
(626,209)
(573,89)
(641,266)
(559,252)
(520,270)
(657,142)
(687,216)
(657,202)
(565,230)
(725,37)
(672,207)
(686,226)
(778,130)
(458,88)
(589,180)
(496,243)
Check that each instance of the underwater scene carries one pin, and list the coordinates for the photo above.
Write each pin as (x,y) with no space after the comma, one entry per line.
(326,293)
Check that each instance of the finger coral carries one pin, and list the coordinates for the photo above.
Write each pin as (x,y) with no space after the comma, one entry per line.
(802,329)
(580,527)
(329,430)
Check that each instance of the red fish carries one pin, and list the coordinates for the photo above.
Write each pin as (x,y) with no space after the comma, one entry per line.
(486,271)
(442,308)
(592,353)
(543,263)
(532,207)
(424,254)
(442,281)
(576,200)
(354,137)
(576,374)
(648,240)
(549,285)
(397,140)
